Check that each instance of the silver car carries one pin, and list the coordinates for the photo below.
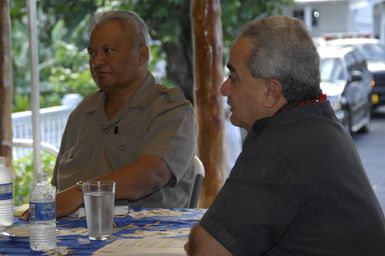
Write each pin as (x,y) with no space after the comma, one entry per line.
(374,52)
(346,81)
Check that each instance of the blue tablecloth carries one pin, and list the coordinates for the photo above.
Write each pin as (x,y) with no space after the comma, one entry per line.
(140,222)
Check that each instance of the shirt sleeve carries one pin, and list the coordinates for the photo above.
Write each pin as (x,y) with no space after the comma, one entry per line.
(171,136)
(62,149)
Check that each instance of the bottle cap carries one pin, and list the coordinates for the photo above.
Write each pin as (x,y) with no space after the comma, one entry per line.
(41,177)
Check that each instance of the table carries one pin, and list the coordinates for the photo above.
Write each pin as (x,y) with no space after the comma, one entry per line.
(139,223)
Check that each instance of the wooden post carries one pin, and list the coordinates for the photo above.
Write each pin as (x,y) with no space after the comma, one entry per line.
(5,83)
(208,77)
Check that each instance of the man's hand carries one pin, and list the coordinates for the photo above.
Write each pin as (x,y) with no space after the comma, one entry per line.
(202,243)
(25,215)
(67,202)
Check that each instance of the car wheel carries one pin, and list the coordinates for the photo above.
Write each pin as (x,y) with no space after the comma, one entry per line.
(346,122)
(366,127)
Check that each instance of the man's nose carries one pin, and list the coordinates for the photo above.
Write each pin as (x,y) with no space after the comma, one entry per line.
(96,60)
(225,88)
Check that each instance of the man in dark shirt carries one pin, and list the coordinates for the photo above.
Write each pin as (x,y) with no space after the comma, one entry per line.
(298,187)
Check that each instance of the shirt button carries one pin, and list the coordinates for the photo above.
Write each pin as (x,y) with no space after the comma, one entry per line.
(162,88)
(106,130)
(122,147)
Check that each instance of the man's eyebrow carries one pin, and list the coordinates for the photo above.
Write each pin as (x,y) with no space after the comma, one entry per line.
(105,45)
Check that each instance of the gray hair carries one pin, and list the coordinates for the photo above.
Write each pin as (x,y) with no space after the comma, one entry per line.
(284,50)
(128,17)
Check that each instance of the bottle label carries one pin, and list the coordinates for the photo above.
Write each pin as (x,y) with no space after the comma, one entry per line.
(6,191)
(42,211)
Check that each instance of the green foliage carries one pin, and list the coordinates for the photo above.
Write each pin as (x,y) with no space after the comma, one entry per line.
(24,175)
(63,37)
(20,58)
(70,72)
(21,102)
(169,22)
(235,13)
(165,19)
(63,60)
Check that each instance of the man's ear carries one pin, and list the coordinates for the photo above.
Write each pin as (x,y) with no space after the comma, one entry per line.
(273,92)
(144,54)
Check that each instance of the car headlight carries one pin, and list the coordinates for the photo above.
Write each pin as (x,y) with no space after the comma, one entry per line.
(336,101)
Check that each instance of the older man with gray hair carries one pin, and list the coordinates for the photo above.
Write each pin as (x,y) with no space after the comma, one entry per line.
(132,131)
(298,187)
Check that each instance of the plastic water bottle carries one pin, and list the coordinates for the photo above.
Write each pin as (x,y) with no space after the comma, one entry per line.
(6,195)
(42,231)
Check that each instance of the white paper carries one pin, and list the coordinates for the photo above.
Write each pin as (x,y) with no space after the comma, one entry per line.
(118,210)
(155,213)
(146,246)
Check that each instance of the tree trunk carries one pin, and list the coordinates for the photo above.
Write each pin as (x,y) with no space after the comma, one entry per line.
(179,59)
(5,83)
(208,77)
(179,68)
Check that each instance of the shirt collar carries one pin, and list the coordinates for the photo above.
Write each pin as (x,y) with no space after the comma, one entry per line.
(144,93)
(318,108)
(139,99)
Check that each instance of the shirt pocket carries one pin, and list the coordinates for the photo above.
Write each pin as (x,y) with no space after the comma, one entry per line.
(78,156)
(78,163)
(123,150)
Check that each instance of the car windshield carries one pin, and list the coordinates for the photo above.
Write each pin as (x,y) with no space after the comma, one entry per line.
(373,51)
(332,69)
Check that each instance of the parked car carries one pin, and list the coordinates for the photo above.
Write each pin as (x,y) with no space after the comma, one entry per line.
(374,52)
(346,81)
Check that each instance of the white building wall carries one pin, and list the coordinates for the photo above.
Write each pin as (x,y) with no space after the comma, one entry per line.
(379,20)
(363,18)
(333,16)
(339,16)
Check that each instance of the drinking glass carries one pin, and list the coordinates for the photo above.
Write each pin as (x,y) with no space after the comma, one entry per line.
(99,198)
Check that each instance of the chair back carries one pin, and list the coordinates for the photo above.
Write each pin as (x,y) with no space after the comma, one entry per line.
(199,174)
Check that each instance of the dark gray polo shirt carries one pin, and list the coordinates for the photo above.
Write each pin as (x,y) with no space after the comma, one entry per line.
(156,121)
(298,188)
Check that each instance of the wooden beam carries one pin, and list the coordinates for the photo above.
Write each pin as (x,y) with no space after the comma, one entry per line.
(208,77)
(5,83)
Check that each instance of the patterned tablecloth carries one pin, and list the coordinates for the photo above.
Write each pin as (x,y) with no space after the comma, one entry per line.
(138,223)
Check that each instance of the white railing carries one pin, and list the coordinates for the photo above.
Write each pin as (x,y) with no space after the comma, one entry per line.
(28,143)
(52,124)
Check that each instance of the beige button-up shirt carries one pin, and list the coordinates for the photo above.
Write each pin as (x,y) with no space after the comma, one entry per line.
(156,121)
